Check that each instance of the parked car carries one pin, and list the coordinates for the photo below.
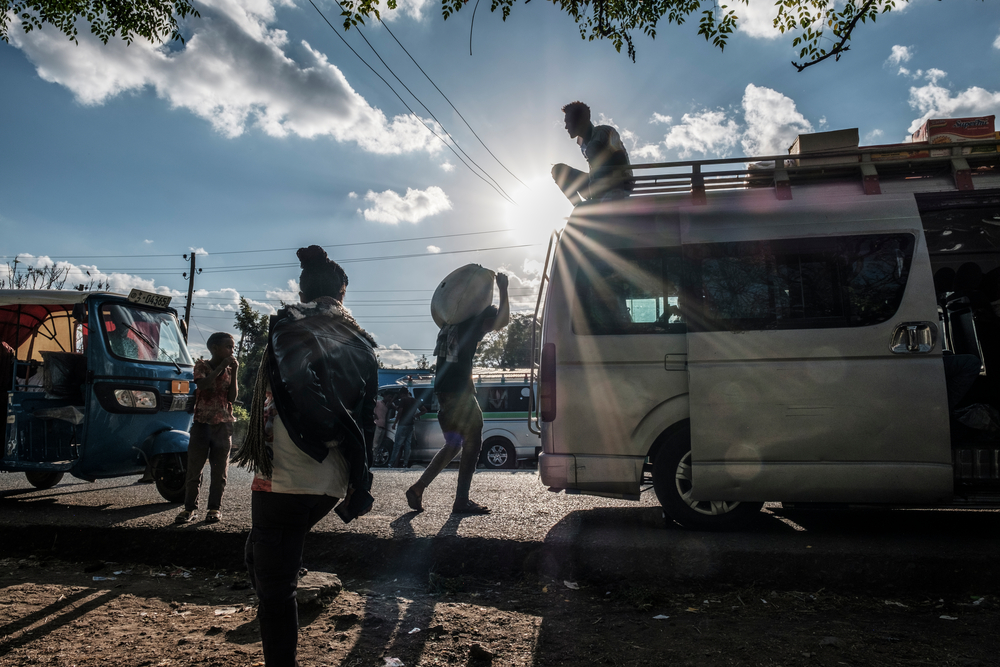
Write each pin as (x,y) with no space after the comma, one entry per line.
(505,399)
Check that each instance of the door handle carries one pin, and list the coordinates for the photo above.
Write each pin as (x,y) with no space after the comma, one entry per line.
(913,338)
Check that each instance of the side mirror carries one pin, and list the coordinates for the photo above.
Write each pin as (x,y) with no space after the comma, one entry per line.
(80,312)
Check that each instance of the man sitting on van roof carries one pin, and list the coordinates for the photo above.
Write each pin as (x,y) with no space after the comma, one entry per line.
(609,177)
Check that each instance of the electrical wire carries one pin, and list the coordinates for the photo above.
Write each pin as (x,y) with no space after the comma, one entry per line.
(368,259)
(420,102)
(386,26)
(477,174)
(325,245)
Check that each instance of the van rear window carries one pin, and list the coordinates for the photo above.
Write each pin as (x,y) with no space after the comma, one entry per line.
(845,281)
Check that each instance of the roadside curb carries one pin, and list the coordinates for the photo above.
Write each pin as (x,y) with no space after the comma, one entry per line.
(575,553)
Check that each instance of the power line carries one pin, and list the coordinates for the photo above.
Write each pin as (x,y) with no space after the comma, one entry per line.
(325,245)
(386,26)
(420,102)
(369,259)
(477,174)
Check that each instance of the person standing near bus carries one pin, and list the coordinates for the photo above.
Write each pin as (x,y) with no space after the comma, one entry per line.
(460,417)
(212,430)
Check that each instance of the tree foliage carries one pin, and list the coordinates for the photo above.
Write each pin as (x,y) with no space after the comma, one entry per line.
(152,19)
(21,275)
(821,29)
(249,348)
(508,348)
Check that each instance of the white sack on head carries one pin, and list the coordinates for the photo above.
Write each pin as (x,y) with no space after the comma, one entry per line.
(464,293)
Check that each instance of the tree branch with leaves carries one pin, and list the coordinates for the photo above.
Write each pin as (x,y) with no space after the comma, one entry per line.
(153,20)
(821,29)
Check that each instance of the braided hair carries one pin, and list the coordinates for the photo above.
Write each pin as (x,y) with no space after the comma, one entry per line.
(321,276)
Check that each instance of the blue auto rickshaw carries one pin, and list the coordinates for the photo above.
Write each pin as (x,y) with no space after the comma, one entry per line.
(98,385)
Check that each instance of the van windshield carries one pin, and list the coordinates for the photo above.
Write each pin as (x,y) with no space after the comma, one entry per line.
(145,335)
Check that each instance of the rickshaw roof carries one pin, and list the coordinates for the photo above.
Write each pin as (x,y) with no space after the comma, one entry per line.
(22,310)
(46,297)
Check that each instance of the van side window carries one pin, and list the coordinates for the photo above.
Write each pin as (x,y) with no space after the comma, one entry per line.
(630,292)
(847,281)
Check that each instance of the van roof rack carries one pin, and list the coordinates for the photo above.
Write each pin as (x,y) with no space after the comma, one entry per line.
(964,166)
(479,375)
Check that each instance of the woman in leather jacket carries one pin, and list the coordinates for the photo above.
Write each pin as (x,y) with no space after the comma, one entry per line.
(315,445)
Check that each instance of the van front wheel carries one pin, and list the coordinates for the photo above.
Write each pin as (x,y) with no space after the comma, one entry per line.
(41,479)
(672,483)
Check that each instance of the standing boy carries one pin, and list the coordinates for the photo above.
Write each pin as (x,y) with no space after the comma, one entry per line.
(460,417)
(212,430)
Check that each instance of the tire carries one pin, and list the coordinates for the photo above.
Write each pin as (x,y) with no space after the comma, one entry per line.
(382,454)
(43,479)
(498,454)
(672,483)
(170,471)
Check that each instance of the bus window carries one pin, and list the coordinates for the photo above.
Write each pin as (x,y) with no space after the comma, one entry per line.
(630,292)
(848,281)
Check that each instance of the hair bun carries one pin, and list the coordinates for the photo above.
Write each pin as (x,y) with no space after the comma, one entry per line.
(312,256)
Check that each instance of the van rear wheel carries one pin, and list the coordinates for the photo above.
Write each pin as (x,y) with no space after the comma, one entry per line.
(672,483)
(498,453)
(43,479)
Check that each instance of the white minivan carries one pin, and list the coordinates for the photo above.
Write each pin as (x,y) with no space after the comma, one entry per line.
(504,397)
(779,343)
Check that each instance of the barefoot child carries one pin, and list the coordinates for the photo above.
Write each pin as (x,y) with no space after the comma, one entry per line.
(212,430)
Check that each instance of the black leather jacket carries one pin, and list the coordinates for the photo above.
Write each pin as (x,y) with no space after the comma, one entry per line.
(324,379)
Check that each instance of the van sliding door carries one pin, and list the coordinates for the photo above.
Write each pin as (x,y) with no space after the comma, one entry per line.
(806,381)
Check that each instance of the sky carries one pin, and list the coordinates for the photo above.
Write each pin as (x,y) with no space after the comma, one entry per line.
(264,132)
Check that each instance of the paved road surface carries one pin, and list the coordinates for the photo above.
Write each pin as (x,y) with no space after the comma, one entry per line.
(530,530)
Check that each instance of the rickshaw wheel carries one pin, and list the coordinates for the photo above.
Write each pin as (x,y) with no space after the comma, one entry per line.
(41,479)
(169,471)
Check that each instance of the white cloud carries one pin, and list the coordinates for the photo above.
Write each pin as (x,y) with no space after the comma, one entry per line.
(447,166)
(996,42)
(289,295)
(646,152)
(903,71)
(934,101)
(660,118)
(391,208)
(352,195)
(899,54)
(772,121)
(412,8)
(433,249)
(147,241)
(770,124)
(234,72)
(394,356)
(705,131)
(934,75)
(873,135)
(757,19)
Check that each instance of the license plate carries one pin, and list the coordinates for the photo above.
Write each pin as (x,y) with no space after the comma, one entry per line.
(149,299)
(178,403)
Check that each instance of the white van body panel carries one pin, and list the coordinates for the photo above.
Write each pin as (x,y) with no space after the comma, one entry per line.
(791,414)
(770,408)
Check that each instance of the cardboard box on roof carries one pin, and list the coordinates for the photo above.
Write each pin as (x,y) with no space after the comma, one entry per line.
(957,130)
(825,141)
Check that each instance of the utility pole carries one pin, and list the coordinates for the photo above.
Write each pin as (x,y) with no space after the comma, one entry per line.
(187,309)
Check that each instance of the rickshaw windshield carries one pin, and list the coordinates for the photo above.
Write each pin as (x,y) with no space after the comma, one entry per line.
(138,334)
